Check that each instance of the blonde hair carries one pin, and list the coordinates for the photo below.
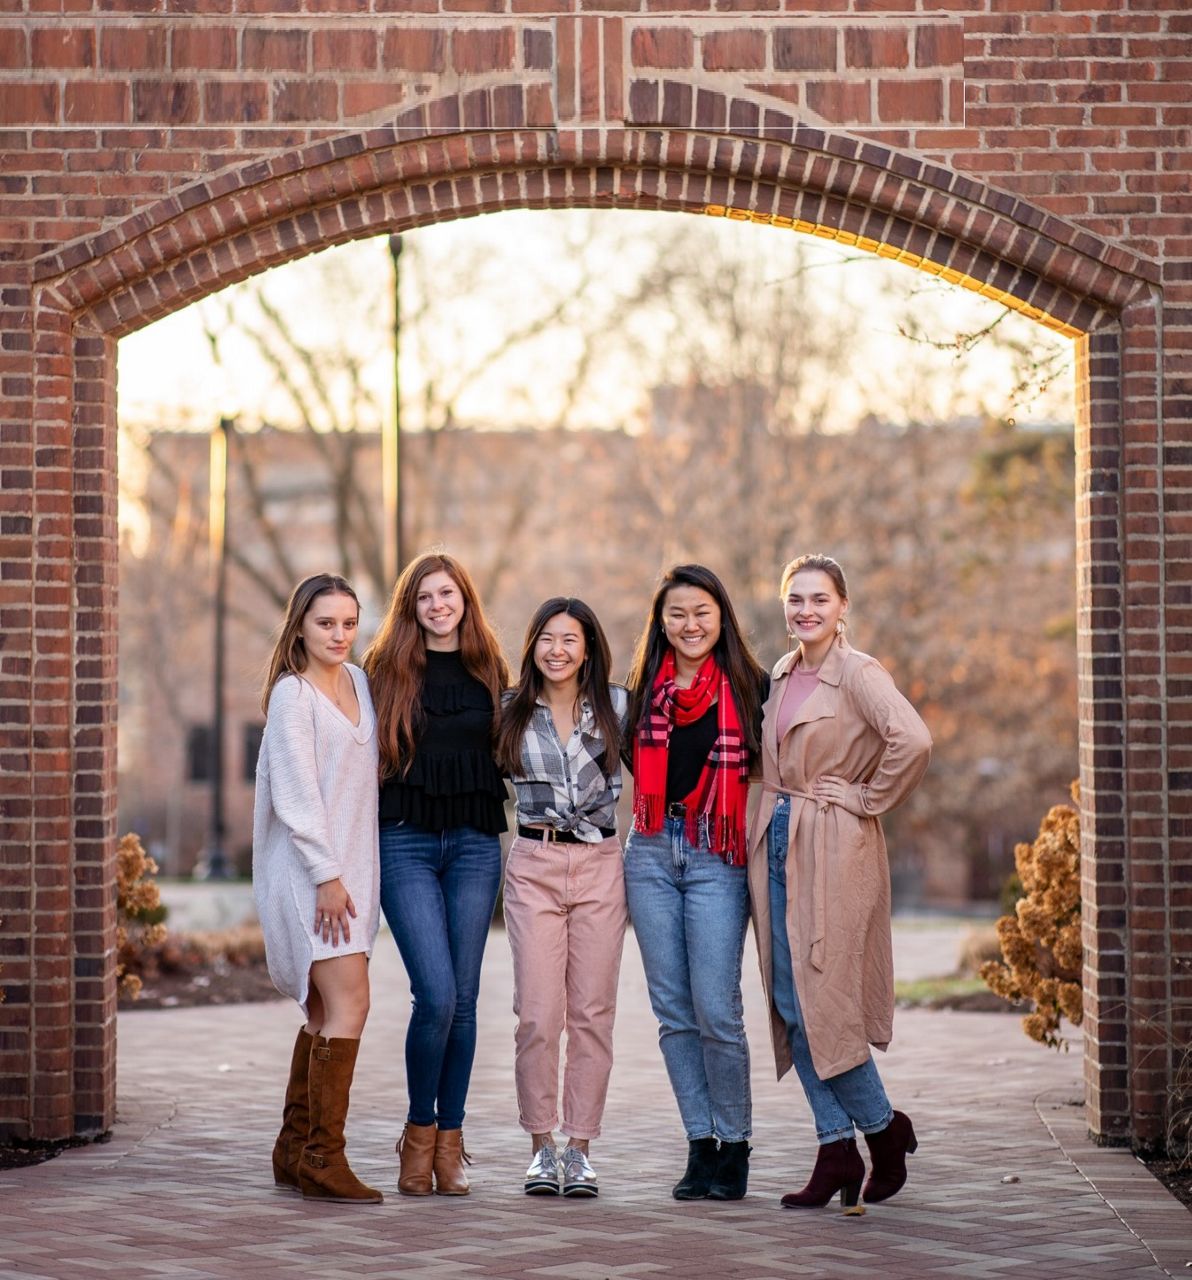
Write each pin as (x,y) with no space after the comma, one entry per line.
(825,564)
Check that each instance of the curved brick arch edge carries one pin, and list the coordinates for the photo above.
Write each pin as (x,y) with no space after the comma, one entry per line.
(225,228)
(242,221)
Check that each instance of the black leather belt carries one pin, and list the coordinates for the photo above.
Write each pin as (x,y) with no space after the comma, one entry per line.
(676,809)
(551,836)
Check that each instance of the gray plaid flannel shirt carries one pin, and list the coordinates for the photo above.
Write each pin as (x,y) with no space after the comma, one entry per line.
(573,786)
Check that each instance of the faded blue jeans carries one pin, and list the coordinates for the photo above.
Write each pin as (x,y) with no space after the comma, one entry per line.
(854,1098)
(438,890)
(689,910)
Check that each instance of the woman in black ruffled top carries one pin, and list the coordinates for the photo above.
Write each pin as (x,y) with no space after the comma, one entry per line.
(436,674)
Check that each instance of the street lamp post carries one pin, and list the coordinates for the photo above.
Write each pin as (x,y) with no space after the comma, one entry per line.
(215,863)
(391,436)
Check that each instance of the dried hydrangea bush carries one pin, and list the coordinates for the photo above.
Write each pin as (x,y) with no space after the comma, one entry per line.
(138,899)
(1040,942)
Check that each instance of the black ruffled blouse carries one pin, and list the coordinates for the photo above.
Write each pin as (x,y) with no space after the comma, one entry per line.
(453,780)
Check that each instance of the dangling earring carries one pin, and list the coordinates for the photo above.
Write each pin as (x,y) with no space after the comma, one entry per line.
(840,626)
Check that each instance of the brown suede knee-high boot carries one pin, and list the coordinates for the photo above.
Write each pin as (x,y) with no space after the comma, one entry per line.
(450,1158)
(323,1172)
(416,1157)
(295,1116)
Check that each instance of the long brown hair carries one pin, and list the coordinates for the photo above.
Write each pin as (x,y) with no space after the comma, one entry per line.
(289,653)
(732,652)
(396,659)
(593,684)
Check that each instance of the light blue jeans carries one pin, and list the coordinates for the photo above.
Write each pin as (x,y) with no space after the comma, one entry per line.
(856,1097)
(689,910)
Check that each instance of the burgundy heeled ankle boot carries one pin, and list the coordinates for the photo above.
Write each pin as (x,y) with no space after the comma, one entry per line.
(888,1149)
(838,1167)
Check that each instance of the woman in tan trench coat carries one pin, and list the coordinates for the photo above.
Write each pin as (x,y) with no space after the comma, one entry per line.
(840,747)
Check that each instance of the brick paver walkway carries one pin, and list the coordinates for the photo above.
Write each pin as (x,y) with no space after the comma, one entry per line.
(184,1188)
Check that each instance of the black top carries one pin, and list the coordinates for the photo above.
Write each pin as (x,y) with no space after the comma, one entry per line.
(453,780)
(690,746)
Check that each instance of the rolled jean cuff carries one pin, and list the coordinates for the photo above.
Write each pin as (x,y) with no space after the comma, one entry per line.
(585,1132)
(548,1126)
(835,1135)
(882,1124)
(735,1137)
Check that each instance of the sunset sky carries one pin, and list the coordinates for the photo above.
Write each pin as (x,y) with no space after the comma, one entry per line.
(476,279)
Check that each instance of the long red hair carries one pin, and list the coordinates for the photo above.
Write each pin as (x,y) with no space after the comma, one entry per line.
(396,660)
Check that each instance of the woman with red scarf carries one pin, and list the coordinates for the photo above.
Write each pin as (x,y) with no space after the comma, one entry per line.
(696,695)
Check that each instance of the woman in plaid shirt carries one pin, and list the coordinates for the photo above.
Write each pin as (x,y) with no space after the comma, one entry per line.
(560,740)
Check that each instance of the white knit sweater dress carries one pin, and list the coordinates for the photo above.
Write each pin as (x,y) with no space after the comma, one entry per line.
(314,819)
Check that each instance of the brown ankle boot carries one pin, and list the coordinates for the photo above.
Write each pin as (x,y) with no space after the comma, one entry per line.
(323,1172)
(416,1156)
(295,1116)
(450,1158)
(888,1149)
(838,1167)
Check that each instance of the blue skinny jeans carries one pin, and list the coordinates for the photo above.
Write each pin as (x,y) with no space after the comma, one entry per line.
(438,890)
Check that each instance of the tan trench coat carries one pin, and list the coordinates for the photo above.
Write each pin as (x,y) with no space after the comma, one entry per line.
(855,725)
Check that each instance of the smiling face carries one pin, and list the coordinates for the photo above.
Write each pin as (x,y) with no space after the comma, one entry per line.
(691,622)
(329,628)
(439,607)
(813,606)
(560,650)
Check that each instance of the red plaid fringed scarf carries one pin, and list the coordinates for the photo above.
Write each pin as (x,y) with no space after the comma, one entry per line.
(717,805)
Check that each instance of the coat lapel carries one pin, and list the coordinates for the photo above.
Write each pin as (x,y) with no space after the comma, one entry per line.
(773,702)
(820,705)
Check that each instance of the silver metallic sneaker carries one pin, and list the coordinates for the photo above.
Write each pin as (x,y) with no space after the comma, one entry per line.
(579,1178)
(542,1177)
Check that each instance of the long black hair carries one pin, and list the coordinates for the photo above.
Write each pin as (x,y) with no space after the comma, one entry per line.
(732,651)
(593,683)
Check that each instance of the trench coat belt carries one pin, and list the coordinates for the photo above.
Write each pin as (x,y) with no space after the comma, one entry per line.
(819,886)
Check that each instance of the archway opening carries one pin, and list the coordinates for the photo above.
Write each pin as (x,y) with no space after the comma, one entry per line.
(95,292)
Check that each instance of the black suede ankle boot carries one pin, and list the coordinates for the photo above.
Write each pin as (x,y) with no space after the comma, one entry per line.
(701,1168)
(732,1172)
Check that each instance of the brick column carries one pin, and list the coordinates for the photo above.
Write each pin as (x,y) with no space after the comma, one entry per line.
(93,891)
(1101,703)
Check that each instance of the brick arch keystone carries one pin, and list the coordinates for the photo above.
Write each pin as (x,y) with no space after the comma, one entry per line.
(439,162)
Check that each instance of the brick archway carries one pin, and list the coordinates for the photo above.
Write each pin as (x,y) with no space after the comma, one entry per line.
(440,162)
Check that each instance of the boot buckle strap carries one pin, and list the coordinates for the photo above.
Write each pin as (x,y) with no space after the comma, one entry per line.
(315,1161)
(323,1053)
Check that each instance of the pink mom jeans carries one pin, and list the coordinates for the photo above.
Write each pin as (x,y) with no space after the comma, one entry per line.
(565,916)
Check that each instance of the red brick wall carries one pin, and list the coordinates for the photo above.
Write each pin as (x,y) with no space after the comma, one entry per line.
(1039,152)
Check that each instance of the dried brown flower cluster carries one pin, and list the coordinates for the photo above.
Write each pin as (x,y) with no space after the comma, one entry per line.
(1040,942)
(137,896)
(217,950)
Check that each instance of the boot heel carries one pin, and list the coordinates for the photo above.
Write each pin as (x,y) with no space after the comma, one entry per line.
(913,1145)
(849,1195)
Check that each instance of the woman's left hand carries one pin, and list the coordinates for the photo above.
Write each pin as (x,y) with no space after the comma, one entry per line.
(829,788)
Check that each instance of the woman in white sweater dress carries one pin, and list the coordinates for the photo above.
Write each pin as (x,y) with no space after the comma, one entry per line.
(315,873)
